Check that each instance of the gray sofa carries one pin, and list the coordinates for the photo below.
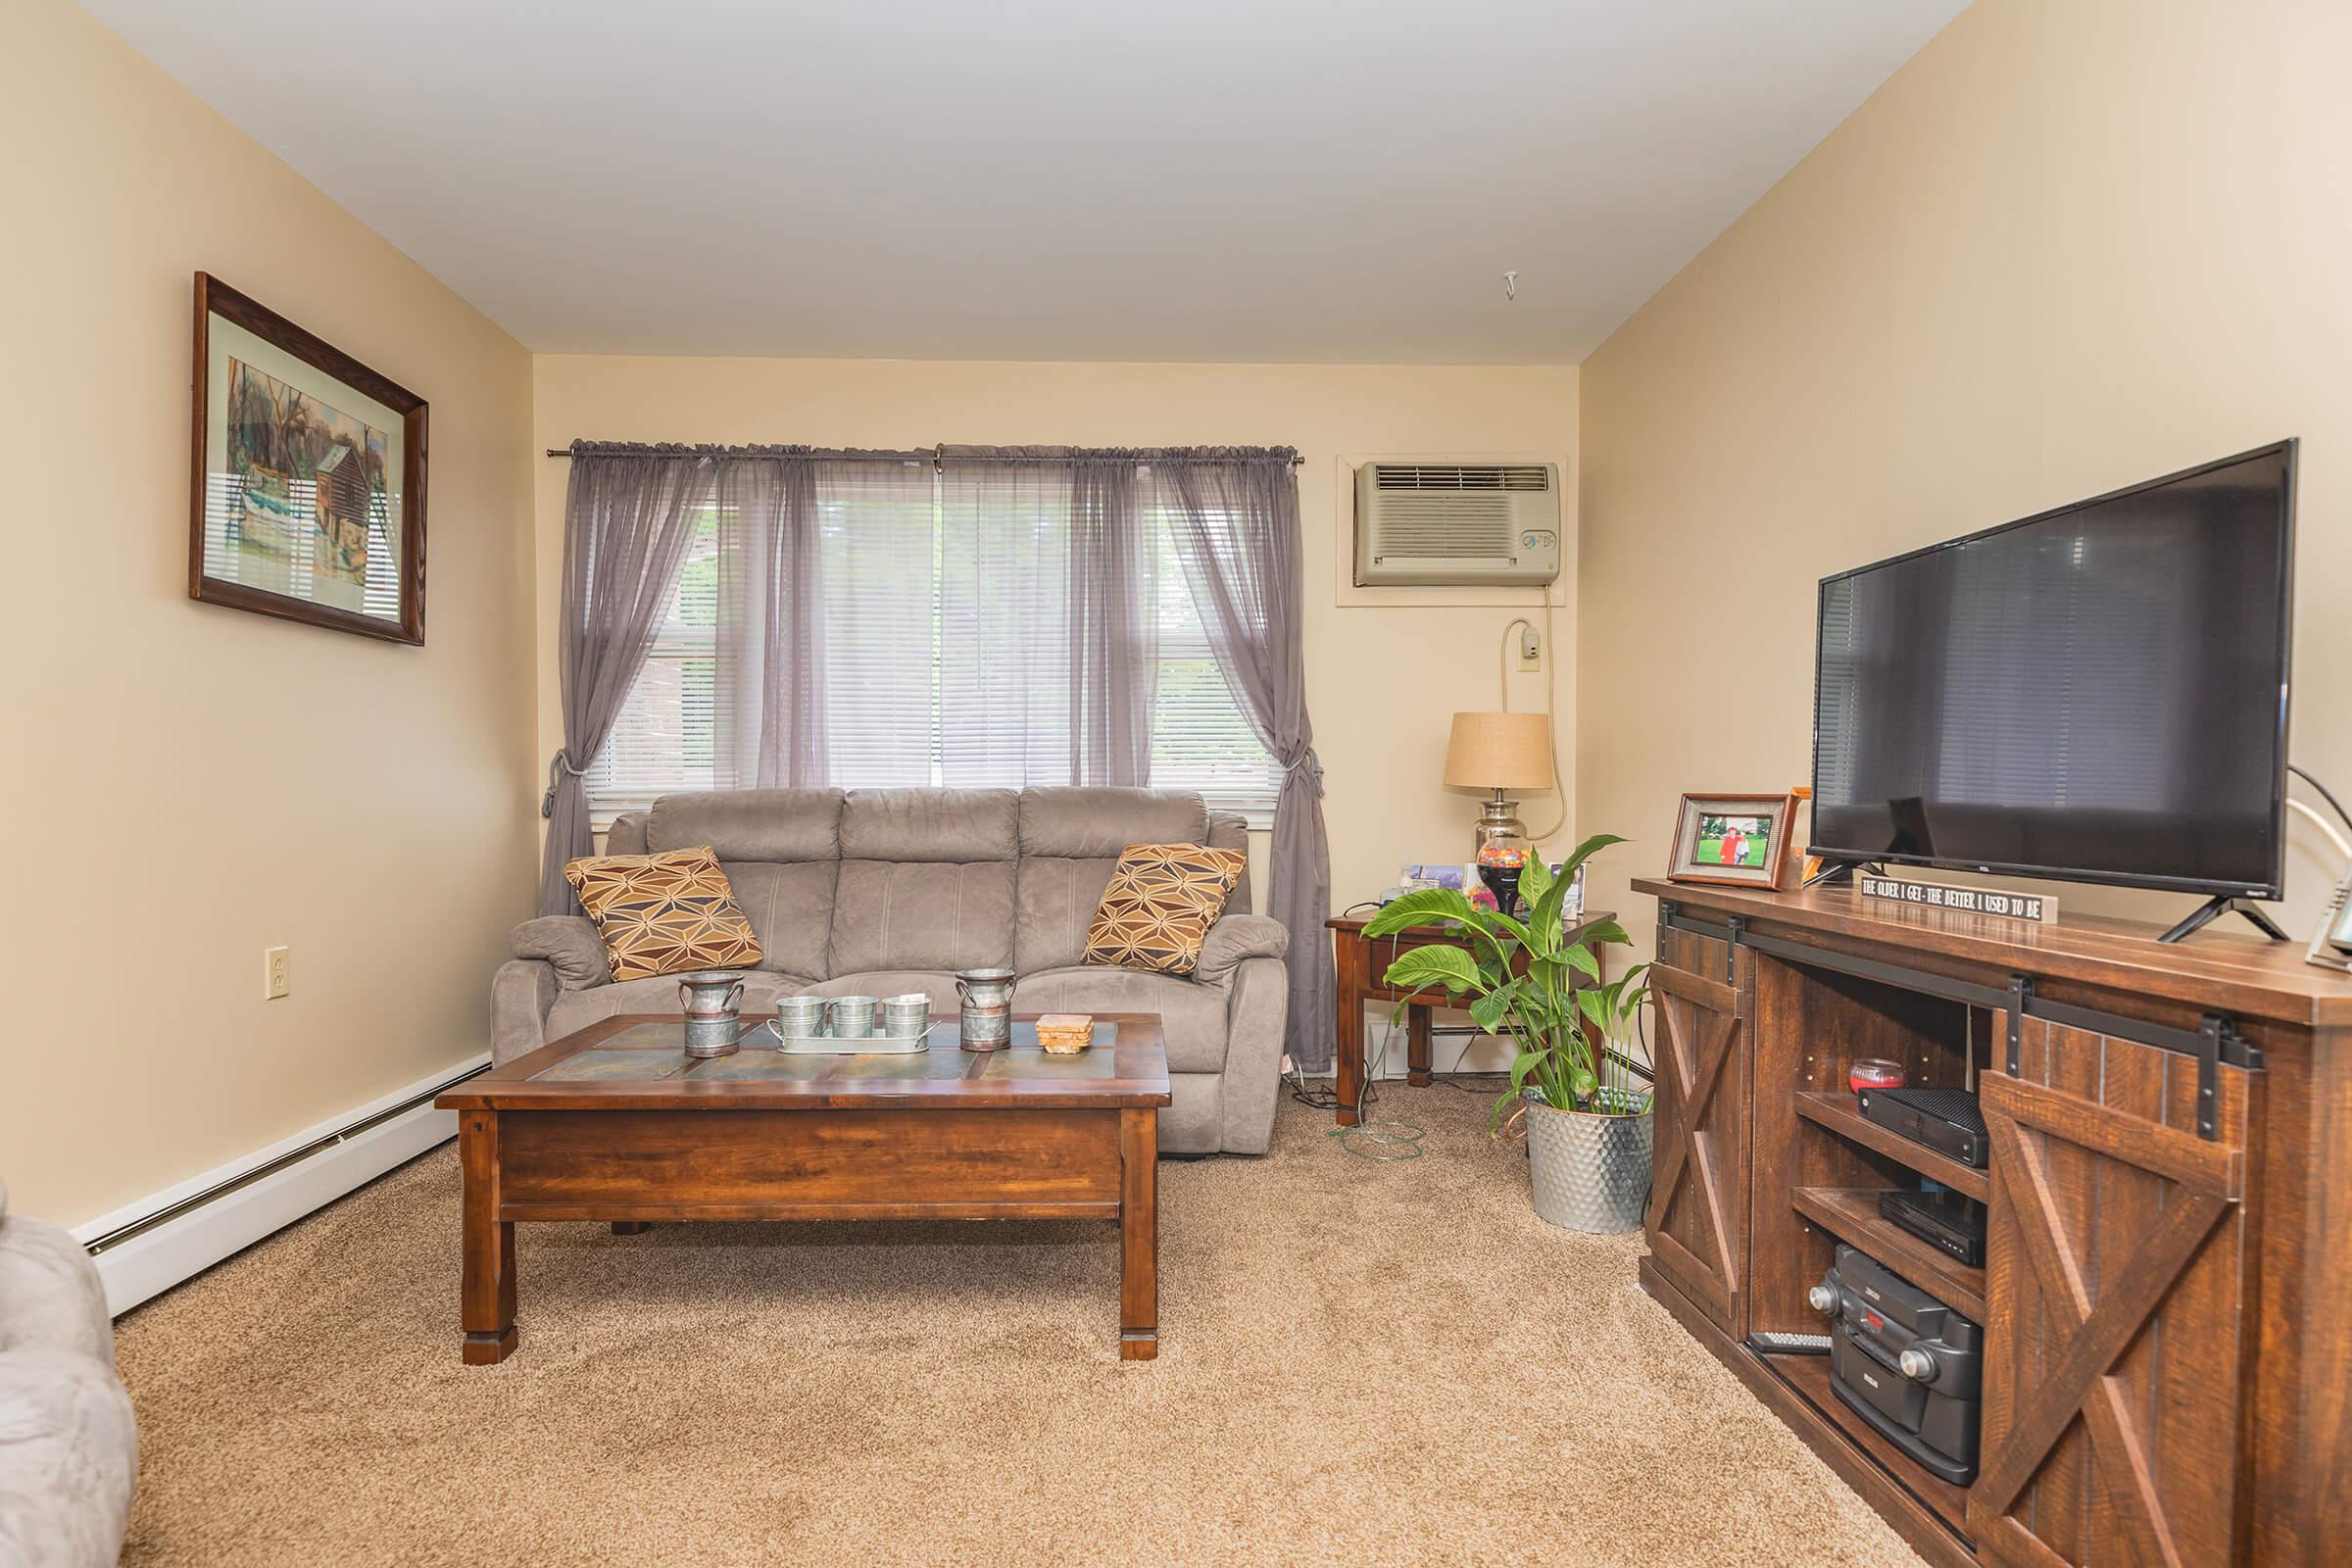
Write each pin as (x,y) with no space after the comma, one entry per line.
(880,892)
(68,1446)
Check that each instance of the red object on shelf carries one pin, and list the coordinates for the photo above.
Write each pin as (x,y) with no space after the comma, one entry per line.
(1875,1072)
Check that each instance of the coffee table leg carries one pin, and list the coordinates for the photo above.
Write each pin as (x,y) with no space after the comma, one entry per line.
(487,1294)
(1139,1235)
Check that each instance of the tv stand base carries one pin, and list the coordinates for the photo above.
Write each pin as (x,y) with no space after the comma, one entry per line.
(2214,908)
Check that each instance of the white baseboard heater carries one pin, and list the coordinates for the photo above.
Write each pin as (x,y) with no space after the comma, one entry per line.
(146,1247)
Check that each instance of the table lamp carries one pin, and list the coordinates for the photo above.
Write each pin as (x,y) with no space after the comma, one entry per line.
(1498,752)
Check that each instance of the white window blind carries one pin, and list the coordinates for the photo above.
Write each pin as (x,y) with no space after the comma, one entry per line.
(903,656)
(1200,739)
(664,741)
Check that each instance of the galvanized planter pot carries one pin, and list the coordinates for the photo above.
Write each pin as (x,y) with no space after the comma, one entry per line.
(1591,1172)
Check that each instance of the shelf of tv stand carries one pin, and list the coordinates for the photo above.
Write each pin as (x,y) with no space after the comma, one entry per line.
(1851,1214)
(1809,1376)
(1837,1112)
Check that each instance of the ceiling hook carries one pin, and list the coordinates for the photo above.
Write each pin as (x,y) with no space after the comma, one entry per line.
(1510,285)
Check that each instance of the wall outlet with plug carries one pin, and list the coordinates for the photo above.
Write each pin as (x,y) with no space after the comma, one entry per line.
(1531,648)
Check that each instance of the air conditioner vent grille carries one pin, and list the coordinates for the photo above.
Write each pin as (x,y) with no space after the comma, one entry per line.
(1454,477)
(1447,525)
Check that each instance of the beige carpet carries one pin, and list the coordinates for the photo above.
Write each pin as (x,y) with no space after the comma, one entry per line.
(1359,1364)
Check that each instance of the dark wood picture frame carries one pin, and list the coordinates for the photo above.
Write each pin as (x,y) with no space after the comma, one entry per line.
(216,298)
(1780,806)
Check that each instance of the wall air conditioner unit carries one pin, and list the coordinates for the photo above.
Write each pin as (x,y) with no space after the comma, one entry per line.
(1458,525)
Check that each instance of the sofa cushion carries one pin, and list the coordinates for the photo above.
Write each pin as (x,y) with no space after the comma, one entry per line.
(790,908)
(1071,841)
(1192,1015)
(784,826)
(951,826)
(574,1010)
(922,915)
(1159,905)
(663,914)
(1092,823)
(1056,901)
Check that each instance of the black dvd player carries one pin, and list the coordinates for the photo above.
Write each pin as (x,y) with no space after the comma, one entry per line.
(1945,1220)
(1947,1120)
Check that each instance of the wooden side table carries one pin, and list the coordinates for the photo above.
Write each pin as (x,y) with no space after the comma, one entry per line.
(1361,961)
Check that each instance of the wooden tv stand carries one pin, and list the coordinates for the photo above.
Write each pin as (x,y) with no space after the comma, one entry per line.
(2167,1293)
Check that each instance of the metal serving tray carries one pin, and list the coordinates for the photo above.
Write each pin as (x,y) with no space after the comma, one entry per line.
(874,1044)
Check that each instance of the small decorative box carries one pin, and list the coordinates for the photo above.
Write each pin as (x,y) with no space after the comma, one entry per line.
(1065,1034)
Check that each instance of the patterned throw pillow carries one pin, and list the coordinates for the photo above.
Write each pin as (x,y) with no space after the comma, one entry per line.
(1159,905)
(664,913)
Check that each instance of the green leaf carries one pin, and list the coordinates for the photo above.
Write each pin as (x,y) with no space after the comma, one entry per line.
(1594,1007)
(1582,1083)
(1603,931)
(1437,965)
(1582,957)
(1586,850)
(1544,919)
(1486,1012)
(1423,907)
(1499,923)
(1535,880)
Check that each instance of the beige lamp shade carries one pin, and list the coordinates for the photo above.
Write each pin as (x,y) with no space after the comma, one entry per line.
(1499,751)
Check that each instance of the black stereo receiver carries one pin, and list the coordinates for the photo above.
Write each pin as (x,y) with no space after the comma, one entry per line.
(1945,1221)
(1905,1362)
(1947,1120)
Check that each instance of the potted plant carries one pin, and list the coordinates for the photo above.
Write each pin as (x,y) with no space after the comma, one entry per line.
(1588,1113)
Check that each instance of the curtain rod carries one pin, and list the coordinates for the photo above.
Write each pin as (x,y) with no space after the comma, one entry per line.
(938,459)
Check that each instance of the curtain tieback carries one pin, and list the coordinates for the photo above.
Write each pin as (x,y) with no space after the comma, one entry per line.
(1311,764)
(556,766)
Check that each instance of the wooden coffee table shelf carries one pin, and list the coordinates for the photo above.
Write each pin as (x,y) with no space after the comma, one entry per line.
(618,1123)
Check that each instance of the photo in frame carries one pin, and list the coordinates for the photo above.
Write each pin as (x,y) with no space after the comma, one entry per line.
(306,495)
(1733,840)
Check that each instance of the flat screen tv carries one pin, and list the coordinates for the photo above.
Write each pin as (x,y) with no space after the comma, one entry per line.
(2096,693)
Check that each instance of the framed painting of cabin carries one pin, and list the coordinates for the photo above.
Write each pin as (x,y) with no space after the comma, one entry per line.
(306,498)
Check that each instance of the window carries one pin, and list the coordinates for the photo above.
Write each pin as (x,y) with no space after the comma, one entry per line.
(922,685)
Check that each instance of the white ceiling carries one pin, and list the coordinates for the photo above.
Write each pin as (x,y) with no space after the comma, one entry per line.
(1131,180)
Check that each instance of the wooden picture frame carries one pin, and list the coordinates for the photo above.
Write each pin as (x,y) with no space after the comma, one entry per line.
(296,450)
(1693,862)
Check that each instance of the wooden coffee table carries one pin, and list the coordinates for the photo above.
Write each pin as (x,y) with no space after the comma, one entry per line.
(618,1123)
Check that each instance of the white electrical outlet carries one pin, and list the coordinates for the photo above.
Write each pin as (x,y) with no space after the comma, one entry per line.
(1531,648)
(278,972)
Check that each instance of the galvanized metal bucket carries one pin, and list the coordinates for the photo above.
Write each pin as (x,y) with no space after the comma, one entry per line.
(1591,1171)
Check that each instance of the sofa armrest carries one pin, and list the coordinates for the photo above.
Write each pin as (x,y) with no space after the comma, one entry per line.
(521,993)
(1235,938)
(1253,1081)
(568,942)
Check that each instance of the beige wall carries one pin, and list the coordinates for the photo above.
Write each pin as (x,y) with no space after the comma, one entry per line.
(188,784)
(1384,675)
(2070,245)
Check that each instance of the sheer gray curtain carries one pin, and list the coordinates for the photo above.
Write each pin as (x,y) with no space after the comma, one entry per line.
(1235,516)
(1047,618)
(1114,623)
(627,518)
(768,709)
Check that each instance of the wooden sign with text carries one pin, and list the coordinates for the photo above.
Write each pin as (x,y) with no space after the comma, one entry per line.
(1954,896)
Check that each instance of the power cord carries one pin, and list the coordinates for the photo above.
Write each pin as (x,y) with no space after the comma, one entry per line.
(2324,793)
